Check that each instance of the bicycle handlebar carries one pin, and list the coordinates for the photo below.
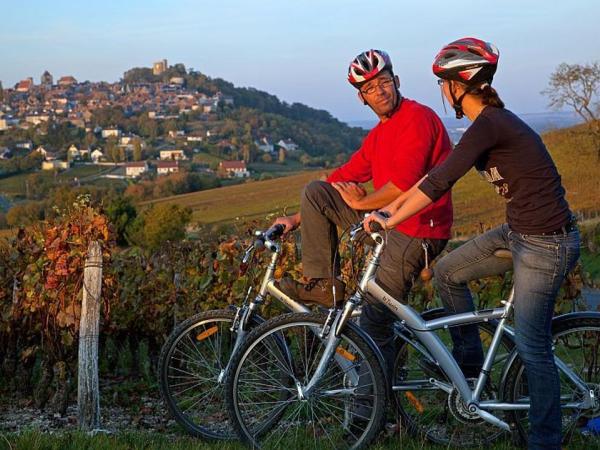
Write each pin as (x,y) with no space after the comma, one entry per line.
(274,232)
(373,226)
(268,237)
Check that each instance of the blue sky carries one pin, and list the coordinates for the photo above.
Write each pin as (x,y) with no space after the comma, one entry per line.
(298,50)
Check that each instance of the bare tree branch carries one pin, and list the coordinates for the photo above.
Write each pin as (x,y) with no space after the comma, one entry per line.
(578,86)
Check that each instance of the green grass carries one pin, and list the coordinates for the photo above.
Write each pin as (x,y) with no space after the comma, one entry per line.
(16,184)
(290,166)
(206,158)
(34,440)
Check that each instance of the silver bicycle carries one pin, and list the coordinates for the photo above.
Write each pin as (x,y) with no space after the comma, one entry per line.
(320,403)
(197,355)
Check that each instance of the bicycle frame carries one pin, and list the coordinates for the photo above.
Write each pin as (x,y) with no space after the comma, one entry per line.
(427,342)
(245,312)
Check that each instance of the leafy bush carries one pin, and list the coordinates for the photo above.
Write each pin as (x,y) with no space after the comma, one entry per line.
(159,223)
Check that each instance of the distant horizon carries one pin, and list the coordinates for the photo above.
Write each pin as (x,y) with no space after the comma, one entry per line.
(373,119)
(452,117)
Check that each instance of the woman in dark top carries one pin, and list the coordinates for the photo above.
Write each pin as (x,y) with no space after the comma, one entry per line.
(539,228)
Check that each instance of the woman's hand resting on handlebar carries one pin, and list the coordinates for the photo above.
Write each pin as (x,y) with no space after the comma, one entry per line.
(379,217)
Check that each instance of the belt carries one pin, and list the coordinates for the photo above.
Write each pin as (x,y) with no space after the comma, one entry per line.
(565,229)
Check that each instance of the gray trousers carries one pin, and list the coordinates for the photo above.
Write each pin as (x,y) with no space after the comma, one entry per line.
(322,210)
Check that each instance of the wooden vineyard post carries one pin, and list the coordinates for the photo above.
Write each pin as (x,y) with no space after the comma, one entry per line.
(88,389)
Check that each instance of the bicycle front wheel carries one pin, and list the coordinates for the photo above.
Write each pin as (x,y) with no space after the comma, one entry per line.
(266,382)
(190,365)
(576,343)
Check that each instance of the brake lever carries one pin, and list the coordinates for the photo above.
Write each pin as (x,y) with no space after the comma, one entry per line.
(247,255)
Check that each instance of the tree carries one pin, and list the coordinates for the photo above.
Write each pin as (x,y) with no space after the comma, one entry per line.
(137,150)
(147,126)
(112,152)
(578,86)
(159,223)
(90,140)
(24,214)
(121,213)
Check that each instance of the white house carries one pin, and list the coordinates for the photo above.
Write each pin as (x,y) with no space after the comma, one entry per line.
(176,133)
(127,139)
(195,138)
(172,155)
(27,145)
(135,169)
(48,156)
(111,132)
(73,152)
(234,169)
(55,164)
(166,167)
(178,81)
(96,155)
(288,144)
(36,119)
(265,146)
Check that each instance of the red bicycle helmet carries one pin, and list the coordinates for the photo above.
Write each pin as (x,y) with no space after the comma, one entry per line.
(468,60)
(367,66)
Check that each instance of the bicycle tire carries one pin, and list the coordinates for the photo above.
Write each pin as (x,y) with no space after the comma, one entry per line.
(205,416)
(576,339)
(324,420)
(428,415)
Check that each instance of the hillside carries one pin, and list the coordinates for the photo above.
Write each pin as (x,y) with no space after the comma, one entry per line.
(255,113)
(476,204)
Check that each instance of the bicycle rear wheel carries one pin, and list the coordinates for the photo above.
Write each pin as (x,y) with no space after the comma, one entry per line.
(431,413)
(265,383)
(190,363)
(576,342)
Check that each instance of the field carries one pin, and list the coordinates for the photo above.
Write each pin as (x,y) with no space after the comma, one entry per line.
(16,185)
(248,200)
(476,205)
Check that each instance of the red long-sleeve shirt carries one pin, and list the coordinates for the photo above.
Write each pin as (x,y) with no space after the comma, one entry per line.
(402,150)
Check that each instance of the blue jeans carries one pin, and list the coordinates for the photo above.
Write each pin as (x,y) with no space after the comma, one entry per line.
(541,263)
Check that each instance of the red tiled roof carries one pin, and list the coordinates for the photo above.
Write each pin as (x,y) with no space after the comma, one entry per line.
(166,164)
(24,84)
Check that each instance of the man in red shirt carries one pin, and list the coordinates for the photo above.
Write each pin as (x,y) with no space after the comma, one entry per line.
(408,141)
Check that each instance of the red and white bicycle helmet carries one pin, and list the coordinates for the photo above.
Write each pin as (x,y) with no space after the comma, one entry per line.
(468,60)
(367,66)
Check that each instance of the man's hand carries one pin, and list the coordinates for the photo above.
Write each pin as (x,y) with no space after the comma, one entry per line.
(352,193)
(289,222)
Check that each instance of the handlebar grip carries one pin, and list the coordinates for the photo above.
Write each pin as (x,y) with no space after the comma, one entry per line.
(374,227)
(275,231)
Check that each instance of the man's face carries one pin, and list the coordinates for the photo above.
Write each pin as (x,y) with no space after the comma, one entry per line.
(380,93)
